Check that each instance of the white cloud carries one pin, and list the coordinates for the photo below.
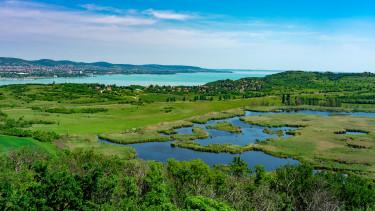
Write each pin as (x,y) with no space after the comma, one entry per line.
(121,20)
(168,15)
(94,7)
(35,14)
(41,31)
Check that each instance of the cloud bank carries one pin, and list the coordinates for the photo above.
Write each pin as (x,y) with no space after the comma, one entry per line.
(96,32)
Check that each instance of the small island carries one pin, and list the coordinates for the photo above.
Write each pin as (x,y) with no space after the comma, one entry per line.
(225,126)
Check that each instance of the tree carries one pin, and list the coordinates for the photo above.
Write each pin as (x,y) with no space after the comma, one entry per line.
(156,193)
(260,174)
(204,203)
(239,167)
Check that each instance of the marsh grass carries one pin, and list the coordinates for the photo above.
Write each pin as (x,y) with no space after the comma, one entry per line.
(197,133)
(225,126)
(317,141)
(134,137)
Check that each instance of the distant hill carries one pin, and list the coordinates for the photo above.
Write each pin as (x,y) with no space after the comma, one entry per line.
(15,67)
(298,80)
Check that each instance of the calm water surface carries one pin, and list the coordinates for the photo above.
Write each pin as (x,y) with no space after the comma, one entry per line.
(187,79)
(355,133)
(250,133)
(162,151)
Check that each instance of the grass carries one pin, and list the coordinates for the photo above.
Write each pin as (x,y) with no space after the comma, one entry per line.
(344,108)
(91,143)
(264,121)
(318,143)
(120,117)
(197,133)
(127,120)
(117,118)
(225,126)
(217,115)
(10,143)
(83,128)
(274,132)
(134,137)
(215,148)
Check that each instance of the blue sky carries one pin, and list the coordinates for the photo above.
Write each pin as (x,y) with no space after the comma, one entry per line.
(254,34)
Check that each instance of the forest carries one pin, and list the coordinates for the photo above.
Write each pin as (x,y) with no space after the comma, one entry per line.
(83,180)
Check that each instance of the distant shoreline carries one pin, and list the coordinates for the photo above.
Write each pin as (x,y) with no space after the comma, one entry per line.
(178,79)
(110,74)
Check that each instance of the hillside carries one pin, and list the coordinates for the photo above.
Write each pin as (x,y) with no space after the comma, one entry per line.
(19,68)
(294,80)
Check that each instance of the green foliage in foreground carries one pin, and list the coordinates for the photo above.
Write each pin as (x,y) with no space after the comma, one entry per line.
(84,180)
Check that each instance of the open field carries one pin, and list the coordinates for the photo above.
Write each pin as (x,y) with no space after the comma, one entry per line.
(315,142)
(80,124)
(9,143)
(121,117)
(79,113)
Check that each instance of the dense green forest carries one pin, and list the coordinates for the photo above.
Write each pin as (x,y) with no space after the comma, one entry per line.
(293,87)
(31,180)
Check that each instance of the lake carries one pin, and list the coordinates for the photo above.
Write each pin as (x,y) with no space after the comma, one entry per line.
(249,133)
(186,79)
(162,151)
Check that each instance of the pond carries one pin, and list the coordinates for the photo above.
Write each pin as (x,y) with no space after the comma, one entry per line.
(162,151)
(250,133)
(354,133)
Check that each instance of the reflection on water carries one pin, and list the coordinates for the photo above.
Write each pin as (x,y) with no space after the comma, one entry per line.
(250,133)
(162,151)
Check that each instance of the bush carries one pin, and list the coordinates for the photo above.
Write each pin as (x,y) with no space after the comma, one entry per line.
(207,204)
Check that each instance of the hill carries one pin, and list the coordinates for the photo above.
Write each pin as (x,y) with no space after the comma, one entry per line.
(20,68)
(293,80)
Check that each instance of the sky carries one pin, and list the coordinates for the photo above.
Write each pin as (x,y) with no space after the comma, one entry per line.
(321,35)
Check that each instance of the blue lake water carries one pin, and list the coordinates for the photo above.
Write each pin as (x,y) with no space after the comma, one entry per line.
(355,133)
(187,79)
(162,151)
(250,133)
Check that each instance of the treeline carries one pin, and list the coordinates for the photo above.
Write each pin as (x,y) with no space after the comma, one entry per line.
(330,100)
(293,87)
(70,92)
(31,180)
(315,100)
(63,110)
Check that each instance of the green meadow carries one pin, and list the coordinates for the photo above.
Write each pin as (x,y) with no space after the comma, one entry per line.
(80,113)
(11,143)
